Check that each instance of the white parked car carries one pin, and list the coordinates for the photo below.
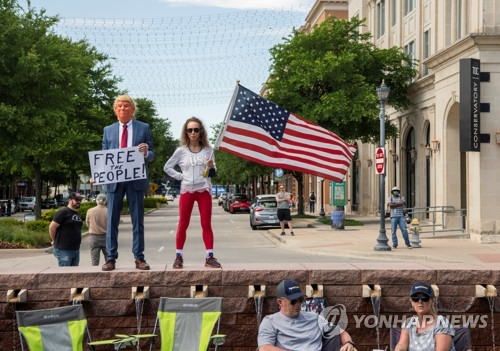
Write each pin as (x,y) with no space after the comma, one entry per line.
(27,203)
(169,197)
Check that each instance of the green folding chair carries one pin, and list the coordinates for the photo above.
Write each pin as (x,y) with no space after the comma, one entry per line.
(188,323)
(60,328)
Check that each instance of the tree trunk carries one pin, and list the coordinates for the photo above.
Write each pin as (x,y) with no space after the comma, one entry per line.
(73,181)
(300,192)
(38,190)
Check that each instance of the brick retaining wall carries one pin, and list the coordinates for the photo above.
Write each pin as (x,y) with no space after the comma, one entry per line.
(112,310)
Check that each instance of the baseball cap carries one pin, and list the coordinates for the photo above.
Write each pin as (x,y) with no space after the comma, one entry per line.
(75,196)
(422,288)
(101,197)
(289,289)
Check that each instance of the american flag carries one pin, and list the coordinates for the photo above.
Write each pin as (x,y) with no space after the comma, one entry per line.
(263,132)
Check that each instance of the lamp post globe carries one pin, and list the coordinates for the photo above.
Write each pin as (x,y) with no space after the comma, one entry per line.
(383,94)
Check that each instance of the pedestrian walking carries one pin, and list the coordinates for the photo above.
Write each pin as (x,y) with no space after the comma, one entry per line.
(312,202)
(97,222)
(284,200)
(65,232)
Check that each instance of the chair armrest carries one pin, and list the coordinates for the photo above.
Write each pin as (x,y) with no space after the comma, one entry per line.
(218,339)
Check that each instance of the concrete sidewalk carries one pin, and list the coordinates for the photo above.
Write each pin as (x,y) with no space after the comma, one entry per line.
(359,242)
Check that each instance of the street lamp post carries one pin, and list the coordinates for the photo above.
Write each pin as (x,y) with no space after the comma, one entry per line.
(383,94)
(322,210)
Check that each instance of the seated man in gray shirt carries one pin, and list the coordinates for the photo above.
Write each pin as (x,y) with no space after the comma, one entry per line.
(293,329)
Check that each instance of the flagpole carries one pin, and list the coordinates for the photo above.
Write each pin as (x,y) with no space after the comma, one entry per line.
(226,118)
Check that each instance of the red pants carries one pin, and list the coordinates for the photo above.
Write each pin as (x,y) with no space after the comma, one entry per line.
(186,203)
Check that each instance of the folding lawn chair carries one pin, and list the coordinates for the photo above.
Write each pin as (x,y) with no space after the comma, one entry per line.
(188,323)
(60,328)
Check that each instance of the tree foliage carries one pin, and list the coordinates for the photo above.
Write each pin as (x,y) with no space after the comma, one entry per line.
(56,96)
(163,142)
(329,76)
(52,94)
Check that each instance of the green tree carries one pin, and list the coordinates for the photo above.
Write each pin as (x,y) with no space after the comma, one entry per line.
(329,76)
(42,79)
(93,111)
(161,133)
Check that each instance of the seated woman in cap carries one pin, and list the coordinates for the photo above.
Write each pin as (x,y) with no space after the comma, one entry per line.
(427,330)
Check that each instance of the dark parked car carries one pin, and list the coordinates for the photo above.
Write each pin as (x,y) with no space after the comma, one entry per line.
(264,212)
(50,203)
(61,200)
(239,203)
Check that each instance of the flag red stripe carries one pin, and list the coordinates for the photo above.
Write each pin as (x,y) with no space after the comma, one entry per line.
(230,143)
(317,133)
(327,153)
(283,165)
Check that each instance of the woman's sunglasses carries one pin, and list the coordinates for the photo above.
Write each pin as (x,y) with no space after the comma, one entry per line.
(193,130)
(423,298)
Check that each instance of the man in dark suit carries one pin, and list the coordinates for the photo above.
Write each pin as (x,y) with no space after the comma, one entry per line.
(126,133)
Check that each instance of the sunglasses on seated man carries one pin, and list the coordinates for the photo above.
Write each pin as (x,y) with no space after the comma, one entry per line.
(294,301)
(417,298)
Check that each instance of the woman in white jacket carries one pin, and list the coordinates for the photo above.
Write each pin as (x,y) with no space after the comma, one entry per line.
(196,159)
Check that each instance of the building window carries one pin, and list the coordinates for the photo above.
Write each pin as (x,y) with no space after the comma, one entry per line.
(393,13)
(410,49)
(408,6)
(380,23)
(459,19)
(426,49)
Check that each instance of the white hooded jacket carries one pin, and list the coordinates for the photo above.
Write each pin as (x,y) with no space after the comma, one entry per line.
(192,165)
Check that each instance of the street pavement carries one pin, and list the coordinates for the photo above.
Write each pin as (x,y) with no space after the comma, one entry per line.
(235,242)
(360,241)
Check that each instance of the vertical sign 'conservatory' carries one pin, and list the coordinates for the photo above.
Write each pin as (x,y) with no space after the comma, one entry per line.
(470,104)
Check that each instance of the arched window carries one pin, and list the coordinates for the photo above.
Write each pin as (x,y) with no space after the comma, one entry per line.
(411,158)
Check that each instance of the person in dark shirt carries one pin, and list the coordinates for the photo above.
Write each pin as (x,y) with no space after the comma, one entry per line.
(312,202)
(66,232)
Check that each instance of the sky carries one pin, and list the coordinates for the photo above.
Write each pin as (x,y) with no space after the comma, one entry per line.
(184,55)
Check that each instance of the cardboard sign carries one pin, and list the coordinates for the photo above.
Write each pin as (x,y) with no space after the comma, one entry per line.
(117,165)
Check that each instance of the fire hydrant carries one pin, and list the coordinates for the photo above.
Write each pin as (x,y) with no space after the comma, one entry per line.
(415,233)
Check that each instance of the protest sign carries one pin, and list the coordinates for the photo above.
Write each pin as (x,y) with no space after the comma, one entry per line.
(117,165)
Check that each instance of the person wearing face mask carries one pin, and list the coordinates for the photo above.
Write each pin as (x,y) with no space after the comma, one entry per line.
(427,330)
(293,329)
(396,203)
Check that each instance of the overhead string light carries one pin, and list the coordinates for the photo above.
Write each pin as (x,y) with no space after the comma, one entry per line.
(181,61)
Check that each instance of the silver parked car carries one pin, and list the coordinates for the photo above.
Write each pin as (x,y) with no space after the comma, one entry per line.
(264,211)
